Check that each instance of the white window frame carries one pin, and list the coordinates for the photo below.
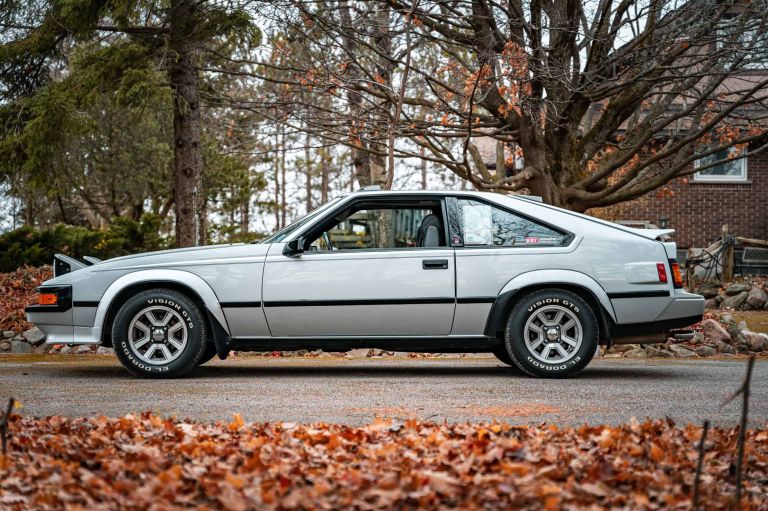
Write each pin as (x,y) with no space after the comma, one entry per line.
(698,177)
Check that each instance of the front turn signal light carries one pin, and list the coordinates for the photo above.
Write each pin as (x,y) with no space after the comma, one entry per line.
(47,299)
(677,276)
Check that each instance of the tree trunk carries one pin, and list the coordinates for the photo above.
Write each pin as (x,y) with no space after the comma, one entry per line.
(188,160)
(283,202)
(277,182)
(324,170)
(308,170)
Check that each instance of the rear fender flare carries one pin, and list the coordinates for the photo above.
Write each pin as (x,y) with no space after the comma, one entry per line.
(543,278)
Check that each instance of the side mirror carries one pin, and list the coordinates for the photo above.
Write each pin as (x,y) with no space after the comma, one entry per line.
(294,248)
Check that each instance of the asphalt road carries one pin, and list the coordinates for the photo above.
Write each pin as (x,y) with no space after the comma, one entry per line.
(356,391)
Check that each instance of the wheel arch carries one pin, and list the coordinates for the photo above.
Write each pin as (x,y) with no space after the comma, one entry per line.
(576,282)
(184,282)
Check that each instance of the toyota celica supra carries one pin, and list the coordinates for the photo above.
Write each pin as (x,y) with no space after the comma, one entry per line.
(539,287)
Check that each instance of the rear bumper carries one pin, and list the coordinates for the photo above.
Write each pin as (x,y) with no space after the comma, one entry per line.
(684,310)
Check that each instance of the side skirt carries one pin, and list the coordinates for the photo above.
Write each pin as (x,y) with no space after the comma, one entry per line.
(448,344)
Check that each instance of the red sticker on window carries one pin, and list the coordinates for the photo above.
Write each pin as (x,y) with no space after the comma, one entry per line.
(532,241)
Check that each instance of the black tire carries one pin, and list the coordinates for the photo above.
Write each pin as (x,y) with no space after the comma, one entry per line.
(209,353)
(532,357)
(501,353)
(159,303)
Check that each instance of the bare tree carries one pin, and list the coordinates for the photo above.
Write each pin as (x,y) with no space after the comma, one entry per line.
(603,101)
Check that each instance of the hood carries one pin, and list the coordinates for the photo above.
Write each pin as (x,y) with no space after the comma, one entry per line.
(183,256)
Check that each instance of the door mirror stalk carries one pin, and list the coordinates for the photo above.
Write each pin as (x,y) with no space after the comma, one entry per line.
(294,248)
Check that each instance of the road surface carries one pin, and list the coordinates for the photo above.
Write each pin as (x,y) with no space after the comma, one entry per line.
(358,390)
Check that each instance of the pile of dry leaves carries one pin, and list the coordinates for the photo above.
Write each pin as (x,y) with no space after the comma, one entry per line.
(17,290)
(155,463)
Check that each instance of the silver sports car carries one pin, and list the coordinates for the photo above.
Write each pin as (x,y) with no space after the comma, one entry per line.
(538,286)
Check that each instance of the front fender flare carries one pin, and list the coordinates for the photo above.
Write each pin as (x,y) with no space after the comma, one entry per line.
(539,278)
(184,278)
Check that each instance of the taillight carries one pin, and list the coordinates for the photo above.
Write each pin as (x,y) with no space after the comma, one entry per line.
(47,299)
(662,269)
(677,277)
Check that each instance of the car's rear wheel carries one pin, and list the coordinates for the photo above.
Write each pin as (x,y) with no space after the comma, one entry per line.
(551,333)
(159,333)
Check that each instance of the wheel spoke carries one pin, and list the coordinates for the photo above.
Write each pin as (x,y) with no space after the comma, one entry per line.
(176,344)
(175,328)
(558,317)
(150,351)
(542,318)
(150,315)
(568,325)
(560,350)
(166,352)
(138,344)
(570,341)
(535,344)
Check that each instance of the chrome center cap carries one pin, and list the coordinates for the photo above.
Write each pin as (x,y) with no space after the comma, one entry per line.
(553,334)
(158,335)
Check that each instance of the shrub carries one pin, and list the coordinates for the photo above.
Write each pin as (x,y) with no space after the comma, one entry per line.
(27,246)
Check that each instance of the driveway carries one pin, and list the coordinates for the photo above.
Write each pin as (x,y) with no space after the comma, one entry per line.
(358,390)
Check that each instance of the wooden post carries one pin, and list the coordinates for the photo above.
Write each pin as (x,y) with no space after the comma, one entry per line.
(727,256)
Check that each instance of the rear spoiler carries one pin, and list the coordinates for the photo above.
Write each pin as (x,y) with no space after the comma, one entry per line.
(651,234)
(63,264)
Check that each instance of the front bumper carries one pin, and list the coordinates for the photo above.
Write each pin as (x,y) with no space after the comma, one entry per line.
(60,322)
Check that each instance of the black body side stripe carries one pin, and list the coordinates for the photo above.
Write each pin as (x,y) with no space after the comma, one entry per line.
(639,294)
(85,304)
(240,305)
(476,299)
(385,301)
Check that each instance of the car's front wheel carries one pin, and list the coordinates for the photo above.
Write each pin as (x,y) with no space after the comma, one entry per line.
(159,333)
(551,333)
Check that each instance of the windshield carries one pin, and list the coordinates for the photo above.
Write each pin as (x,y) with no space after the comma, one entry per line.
(287,230)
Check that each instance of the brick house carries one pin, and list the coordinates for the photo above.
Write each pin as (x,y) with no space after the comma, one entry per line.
(734,193)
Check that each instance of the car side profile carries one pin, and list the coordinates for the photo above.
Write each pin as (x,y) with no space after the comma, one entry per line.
(538,286)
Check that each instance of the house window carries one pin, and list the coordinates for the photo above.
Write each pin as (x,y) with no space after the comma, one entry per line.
(728,170)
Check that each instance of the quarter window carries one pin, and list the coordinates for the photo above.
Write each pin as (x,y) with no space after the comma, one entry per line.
(481,224)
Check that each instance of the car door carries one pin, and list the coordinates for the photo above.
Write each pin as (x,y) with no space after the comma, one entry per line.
(365,275)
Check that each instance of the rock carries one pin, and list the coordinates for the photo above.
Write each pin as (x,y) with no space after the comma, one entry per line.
(622,348)
(718,299)
(681,351)
(742,325)
(5,346)
(711,304)
(724,347)
(103,350)
(709,291)
(756,342)
(705,350)
(42,348)
(698,338)
(756,298)
(736,301)
(83,349)
(658,352)
(7,334)
(636,353)
(736,289)
(358,353)
(20,347)
(34,336)
(67,349)
(721,296)
(714,331)
(726,318)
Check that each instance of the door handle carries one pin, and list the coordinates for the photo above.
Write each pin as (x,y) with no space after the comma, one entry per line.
(434,264)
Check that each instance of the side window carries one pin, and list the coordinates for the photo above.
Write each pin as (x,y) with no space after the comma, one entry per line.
(383,228)
(481,224)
